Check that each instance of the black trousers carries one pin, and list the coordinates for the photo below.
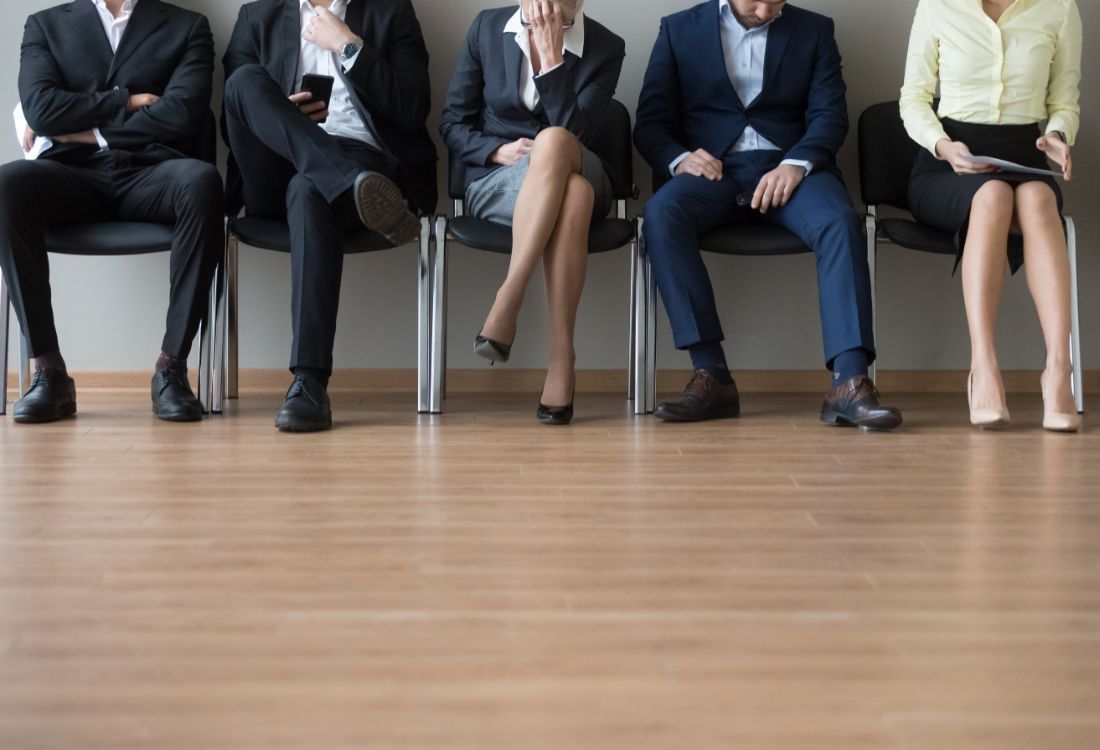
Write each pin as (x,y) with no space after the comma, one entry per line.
(110,186)
(295,171)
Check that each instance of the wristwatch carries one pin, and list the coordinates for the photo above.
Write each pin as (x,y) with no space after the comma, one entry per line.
(1061,135)
(351,49)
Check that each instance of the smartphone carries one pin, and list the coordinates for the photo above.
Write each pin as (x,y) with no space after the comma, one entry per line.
(319,86)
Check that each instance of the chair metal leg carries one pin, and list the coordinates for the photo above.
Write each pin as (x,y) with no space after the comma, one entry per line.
(423,318)
(638,324)
(651,338)
(232,252)
(439,314)
(872,267)
(218,315)
(631,356)
(205,390)
(5,320)
(24,366)
(1075,327)
(645,377)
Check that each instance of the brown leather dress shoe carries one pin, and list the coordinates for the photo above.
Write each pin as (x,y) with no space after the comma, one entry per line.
(856,404)
(705,397)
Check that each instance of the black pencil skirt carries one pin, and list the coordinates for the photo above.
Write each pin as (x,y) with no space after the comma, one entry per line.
(942,199)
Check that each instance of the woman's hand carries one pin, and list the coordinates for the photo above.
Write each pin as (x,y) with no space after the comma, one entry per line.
(28,139)
(547,31)
(955,153)
(1057,151)
(510,153)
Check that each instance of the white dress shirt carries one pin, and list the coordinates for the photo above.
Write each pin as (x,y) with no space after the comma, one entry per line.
(743,51)
(344,119)
(573,42)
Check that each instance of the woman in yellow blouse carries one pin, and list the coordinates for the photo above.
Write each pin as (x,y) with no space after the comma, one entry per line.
(1003,67)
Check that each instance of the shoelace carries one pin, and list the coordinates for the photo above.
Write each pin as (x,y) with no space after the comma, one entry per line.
(298,388)
(39,378)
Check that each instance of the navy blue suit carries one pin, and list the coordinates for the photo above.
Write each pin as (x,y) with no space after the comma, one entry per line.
(688,102)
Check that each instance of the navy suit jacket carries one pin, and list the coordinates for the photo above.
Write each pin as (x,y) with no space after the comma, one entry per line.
(688,101)
(484,110)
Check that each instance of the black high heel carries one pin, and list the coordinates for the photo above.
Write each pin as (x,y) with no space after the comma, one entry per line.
(556,415)
(492,350)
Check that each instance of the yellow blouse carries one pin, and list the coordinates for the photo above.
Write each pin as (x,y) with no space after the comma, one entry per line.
(1024,68)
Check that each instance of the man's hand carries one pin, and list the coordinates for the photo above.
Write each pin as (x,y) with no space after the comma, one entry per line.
(777,187)
(510,153)
(327,31)
(547,30)
(955,153)
(28,139)
(701,164)
(138,101)
(87,137)
(1057,151)
(316,111)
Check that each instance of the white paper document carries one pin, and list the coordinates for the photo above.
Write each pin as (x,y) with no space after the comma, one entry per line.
(41,143)
(1007,166)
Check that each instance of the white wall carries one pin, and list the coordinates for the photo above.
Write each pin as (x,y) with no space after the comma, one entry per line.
(110,311)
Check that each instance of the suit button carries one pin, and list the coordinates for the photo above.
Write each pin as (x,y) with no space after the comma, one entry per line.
(117,88)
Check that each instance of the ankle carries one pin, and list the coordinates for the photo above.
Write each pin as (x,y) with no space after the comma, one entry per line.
(52,361)
(167,361)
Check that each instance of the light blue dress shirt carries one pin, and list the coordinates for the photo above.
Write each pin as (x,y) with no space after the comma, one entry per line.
(744,51)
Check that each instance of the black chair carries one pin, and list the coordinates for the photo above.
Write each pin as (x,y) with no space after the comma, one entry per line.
(613,145)
(886,158)
(275,236)
(112,239)
(746,239)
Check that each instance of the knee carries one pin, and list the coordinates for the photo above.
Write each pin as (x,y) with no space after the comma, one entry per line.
(555,146)
(994,199)
(243,80)
(302,190)
(662,208)
(199,182)
(16,187)
(1035,201)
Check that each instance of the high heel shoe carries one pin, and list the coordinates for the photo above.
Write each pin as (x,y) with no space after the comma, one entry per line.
(984,418)
(557,415)
(492,350)
(1054,421)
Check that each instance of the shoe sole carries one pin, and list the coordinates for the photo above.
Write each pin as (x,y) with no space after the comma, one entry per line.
(302,427)
(176,417)
(726,412)
(67,411)
(382,209)
(490,352)
(836,419)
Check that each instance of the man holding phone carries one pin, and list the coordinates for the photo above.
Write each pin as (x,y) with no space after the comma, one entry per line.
(326,103)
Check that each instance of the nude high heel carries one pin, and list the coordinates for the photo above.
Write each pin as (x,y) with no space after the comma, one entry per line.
(984,418)
(1055,421)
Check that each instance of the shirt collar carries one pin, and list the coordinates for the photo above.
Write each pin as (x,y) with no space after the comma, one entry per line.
(725,15)
(574,37)
(127,7)
(336,4)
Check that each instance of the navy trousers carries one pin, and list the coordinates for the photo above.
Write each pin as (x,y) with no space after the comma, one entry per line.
(820,213)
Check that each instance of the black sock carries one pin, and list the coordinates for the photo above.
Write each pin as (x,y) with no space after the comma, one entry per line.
(52,361)
(710,357)
(314,373)
(849,364)
(165,361)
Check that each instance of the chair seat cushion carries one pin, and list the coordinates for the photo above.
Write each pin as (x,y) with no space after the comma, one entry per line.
(914,236)
(110,238)
(267,234)
(752,239)
(605,235)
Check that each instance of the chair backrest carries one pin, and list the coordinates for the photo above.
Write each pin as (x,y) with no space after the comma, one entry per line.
(612,144)
(886,156)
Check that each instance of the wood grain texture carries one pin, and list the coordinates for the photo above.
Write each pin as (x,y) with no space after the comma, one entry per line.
(475,581)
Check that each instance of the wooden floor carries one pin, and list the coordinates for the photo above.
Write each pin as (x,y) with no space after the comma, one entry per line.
(479,582)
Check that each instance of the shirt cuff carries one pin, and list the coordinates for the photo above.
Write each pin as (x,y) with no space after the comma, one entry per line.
(549,70)
(348,64)
(103,146)
(676,162)
(807,165)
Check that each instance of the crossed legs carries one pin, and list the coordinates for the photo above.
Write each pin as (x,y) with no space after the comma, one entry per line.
(551,222)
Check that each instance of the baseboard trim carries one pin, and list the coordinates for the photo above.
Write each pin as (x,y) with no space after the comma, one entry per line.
(498,380)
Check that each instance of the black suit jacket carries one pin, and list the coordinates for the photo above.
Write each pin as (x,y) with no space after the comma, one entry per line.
(484,109)
(71,82)
(389,81)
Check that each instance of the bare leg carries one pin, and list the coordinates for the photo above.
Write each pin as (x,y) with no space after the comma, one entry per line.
(1047,265)
(555,157)
(564,266)
(985,259)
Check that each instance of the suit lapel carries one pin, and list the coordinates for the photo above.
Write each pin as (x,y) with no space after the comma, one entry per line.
(290,34)
(779,35)
(148,16)
(89,30)
(513,64)
(710,35)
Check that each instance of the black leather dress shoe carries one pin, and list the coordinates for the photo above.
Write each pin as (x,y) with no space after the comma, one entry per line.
(856,404)
(307,407)
(52,396)
(173,399)
(705,397)
(382,208)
